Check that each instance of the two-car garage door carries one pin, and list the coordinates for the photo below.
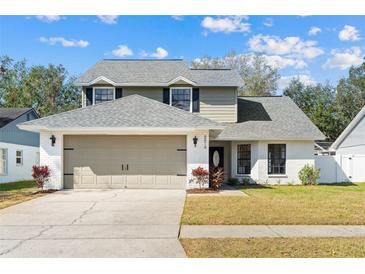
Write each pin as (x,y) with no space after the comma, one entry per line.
(99,161)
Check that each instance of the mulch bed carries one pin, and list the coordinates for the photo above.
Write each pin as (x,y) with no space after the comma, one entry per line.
(201,191)
(45,191)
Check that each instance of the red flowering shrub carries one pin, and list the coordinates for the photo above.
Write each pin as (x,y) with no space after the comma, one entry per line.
(201,175)
(41,175)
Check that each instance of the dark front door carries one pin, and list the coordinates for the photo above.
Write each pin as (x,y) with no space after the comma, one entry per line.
(216,157)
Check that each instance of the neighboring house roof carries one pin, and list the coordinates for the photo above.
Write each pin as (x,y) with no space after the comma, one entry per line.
(8,115)
(155,73)
(132,111)
(323,145)
(270,118)
(348,129)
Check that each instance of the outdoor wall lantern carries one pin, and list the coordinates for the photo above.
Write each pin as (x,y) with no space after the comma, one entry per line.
(53,140)
(195,141)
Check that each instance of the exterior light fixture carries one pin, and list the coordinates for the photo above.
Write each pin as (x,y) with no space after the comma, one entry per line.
(53,140)
(195,141)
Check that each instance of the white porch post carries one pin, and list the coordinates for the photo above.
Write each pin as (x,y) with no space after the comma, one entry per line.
(52,156)
(197,156)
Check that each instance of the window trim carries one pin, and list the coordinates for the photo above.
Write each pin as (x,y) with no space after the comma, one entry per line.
(191,96)
(21,157)
(102,87)
(277,174)
(6,160)
(243,174)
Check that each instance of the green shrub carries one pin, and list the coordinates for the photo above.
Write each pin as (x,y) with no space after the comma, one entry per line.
(233,181)
(308,175)
(245,181)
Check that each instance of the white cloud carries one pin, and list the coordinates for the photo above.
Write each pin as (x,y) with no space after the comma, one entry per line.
(306,79)
(159,53)
(177,17)
(108,19)
(49,18)
(268,22)
(314,31)
(226,24)
(344,59)
(122,50)
(292,46)
(282,62)
(349,33)
(64,42)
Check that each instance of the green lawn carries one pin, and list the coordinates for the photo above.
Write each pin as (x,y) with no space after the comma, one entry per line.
(321,204)
(275,248)
(17,192)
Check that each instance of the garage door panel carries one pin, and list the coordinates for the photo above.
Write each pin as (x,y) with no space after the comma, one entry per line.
(126,161)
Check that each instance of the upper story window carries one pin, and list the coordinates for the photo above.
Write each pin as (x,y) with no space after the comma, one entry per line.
(103,94)
(276,158)
(181,97)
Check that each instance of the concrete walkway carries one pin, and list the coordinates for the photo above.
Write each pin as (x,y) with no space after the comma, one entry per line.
(256,231)
(94,223)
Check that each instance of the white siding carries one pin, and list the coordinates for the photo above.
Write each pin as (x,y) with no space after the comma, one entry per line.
(354,143)
(197,155)
(19,172)
(52,156)
(298,154)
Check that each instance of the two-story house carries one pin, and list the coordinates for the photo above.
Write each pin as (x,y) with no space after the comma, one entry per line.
(19,149)
(148,123)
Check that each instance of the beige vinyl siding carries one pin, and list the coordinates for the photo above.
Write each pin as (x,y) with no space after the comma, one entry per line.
(154,93)
(219,104)
(216,103)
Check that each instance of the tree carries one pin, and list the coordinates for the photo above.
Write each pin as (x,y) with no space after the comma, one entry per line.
(48,90)
(318,102)
(350,95)
(259,78)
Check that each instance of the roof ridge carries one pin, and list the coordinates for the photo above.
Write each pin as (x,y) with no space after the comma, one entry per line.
(135,59)
(262,96)
(129,97)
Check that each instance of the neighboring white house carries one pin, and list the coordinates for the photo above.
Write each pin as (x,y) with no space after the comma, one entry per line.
(349,162)
(19,149)
(148,123)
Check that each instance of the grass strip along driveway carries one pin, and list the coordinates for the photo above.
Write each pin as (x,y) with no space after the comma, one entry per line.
(17,192)
(275,248)
(281,205)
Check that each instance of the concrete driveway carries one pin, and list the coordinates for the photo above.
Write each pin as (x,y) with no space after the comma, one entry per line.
(94,223)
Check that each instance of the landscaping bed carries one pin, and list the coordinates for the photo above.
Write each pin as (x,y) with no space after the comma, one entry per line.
(18,192)
(275,248)
(320,204)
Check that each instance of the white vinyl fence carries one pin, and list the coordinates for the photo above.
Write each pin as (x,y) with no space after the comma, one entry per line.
(341,168)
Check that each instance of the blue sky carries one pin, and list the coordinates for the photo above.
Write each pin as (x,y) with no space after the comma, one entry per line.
(315,48)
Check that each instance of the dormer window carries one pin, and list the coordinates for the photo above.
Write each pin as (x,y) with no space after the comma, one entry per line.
(103,94)
(181,97)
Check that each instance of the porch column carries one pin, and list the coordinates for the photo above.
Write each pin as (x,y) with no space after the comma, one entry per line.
(196,155)
(52,156)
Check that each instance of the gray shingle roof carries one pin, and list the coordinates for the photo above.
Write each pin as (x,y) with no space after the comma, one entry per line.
(8,115)
(157,72)
(270,118)
(130,111)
